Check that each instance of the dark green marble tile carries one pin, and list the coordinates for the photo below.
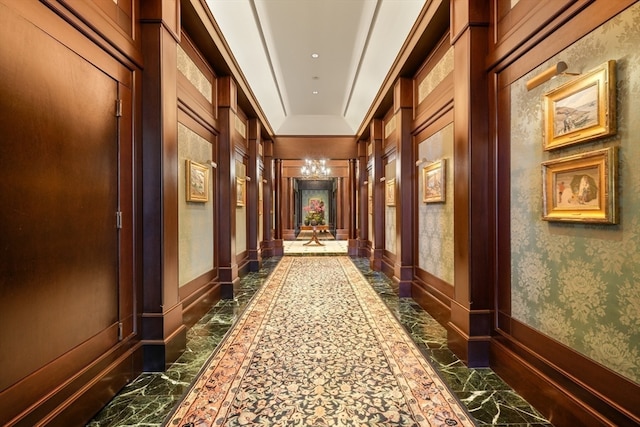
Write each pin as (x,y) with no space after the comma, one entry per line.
(134,411)
(499,407)
(151,397)
(465,379)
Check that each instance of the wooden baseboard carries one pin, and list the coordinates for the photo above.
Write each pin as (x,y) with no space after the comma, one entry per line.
(199,303)
(431,303)
(590,396)
(79,398)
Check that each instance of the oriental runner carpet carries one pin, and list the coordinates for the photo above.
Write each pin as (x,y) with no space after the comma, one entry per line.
(316,346)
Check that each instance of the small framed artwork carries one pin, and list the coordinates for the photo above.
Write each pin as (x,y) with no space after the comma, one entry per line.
(581,188)
(582,109)
(434,182)
(197,180)
(241,186)
(390,193)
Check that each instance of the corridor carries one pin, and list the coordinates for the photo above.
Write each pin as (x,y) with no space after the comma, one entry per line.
(149,399)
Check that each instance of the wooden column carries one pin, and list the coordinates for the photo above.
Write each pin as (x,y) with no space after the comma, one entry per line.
(277,180)
(288,206)
(226,232)
(340,204)
(267,244)
(253,168)
(405,197)
(472,307)
(378,195)
(353,183)
(163,333)
(363,200)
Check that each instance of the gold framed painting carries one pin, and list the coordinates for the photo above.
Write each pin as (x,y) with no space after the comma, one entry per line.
(582,109)
(241,191)
(434,182)
(581,188)
(197,179)
(390,193)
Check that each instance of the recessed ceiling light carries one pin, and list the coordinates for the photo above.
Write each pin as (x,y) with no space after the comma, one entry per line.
(315,92)
(315,55)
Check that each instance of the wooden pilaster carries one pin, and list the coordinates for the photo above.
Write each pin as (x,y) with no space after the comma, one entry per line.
(253,172)
(353,183)
(226,232)
(405,196)
(378,195)
(469,331)
(363,201)
(162,329)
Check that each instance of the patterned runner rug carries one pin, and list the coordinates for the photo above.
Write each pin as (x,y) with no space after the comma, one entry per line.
(316,346)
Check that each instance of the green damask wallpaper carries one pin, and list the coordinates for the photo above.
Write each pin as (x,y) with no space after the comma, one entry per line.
(435,220)
(580,283)
(390,211)
(195,220)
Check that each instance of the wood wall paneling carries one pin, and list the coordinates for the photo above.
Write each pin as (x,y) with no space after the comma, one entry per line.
(65,189)
(564,385)
(200,294)
(254,131)
(473,215)
(111,26)
(376,140)
(528,22)
(303,147)
(162,328)
(66,271)
(189,97)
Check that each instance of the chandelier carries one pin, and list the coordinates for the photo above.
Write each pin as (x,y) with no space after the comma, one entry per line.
(315,169)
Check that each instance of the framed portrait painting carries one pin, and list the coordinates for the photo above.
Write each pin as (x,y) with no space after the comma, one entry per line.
(390,193)
(434,182)
(197,179)
(582,109)
(241,197)
(581,188)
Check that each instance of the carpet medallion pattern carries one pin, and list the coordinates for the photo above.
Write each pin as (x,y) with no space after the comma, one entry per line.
(301,355)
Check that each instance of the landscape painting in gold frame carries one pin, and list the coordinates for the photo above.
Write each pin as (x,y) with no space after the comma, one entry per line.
(582,109)
(434,182)
(241,184)
(581,187)
(390,194)
(197,180)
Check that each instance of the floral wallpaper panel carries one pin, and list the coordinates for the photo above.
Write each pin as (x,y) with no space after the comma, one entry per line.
(435,220)
(580,283)
(241,214)
(191,71)
(195,220)
(390,212)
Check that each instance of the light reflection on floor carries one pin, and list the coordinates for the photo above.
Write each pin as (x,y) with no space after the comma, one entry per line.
(149,399)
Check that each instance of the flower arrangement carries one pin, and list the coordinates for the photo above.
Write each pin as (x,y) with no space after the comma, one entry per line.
(314,212)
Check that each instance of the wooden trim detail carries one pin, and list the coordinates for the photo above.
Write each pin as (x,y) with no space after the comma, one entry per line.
(565,386)
(95,384)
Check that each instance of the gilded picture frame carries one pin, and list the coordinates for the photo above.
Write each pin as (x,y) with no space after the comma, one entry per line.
(390,193)
(197,182)
(582,109)
(581,187)
(434,182)
(241,191)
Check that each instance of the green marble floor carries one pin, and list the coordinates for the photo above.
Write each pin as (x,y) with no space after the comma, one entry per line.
(147,400)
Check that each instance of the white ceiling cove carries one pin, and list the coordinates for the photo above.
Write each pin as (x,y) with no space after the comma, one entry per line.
(356,42)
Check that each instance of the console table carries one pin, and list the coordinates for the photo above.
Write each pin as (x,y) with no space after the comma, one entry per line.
(314,236)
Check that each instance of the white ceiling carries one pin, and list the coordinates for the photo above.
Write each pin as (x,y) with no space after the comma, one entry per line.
(357,42)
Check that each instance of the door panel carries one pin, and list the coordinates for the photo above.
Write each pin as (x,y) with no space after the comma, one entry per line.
(59,192)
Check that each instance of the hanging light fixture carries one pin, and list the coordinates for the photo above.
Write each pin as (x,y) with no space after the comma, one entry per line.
(315,169)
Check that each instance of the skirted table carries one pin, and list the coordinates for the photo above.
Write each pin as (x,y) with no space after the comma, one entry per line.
(314,236)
